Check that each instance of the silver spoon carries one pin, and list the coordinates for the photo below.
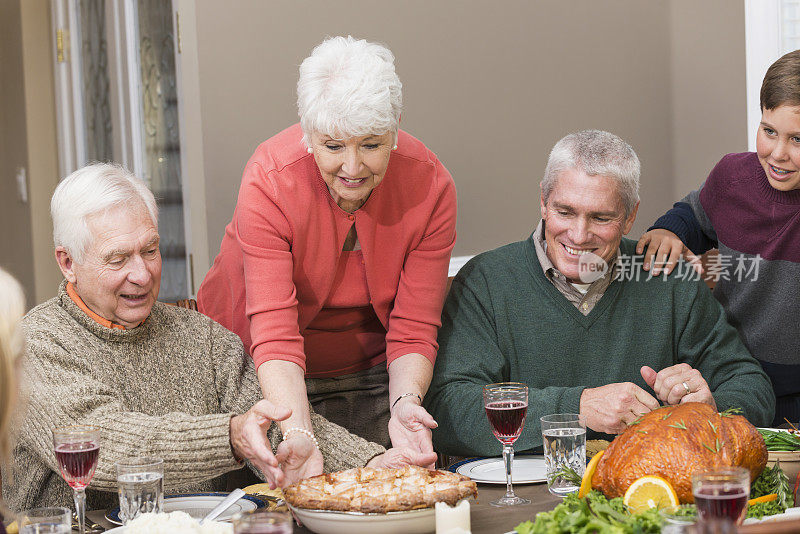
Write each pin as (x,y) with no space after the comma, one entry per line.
(224,505)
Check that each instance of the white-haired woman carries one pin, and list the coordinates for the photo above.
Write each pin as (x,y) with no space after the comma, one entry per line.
(333,270)
(12,307)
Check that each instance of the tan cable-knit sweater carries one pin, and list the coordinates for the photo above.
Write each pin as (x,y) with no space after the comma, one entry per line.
(167,388)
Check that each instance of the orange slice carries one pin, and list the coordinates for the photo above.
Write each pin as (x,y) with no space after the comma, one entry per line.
(650,492)
(586,481)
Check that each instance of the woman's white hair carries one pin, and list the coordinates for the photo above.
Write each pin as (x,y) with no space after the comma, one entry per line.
(597,153)
(91,190)
(12,307)
(348,87)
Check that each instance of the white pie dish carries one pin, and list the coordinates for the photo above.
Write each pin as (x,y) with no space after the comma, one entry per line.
(422,521)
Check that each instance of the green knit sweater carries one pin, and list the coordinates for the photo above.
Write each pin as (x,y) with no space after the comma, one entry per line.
(504,321)
(167,388)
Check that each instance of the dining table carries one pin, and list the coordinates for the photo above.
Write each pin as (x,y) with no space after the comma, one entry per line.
(485,518)
(488,519)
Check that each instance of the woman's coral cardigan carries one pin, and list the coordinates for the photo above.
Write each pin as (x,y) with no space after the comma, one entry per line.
(279,254)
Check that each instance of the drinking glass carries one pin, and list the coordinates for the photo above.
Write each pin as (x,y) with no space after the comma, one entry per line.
(506,404)
(564,442)
(721,493)
(678,519)
(46,521)
(261,521)
(77,449)
(140,482)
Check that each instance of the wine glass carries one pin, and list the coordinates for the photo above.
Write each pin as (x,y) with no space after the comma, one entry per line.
(506,404)
(77,449)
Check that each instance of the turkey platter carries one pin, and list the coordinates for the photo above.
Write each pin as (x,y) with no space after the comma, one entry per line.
(675,441)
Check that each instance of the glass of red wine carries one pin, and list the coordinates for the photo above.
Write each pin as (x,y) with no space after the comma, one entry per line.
(722,493)
(77,449)
(506,404)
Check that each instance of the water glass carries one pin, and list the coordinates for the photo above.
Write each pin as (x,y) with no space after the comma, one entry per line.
(140,482)
(721,494)
(564,442)
(46,521)
(261,521)
(678,519)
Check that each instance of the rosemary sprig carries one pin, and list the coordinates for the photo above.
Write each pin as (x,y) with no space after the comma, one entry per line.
(712,426)
(567,473)
(664,417)
(709,448)
(680,425)
(642,431)
(719,445)
(635,422)
(730,412)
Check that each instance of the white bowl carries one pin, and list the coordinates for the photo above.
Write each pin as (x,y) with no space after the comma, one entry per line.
(420,521)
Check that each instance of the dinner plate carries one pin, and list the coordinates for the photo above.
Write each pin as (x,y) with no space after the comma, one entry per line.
(198,505)
(422,521)
(525,470)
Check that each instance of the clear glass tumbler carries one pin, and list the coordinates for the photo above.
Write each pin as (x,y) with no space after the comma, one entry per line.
(46,521)
(140,483)
(564,443)
(261,521)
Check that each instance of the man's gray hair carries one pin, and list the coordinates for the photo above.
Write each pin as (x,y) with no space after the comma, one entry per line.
(347,88)
(597,153)
(91,190)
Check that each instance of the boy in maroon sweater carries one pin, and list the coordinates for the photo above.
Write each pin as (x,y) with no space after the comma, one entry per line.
(749,208)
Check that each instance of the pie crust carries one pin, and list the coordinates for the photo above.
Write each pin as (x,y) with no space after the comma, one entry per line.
(370,490)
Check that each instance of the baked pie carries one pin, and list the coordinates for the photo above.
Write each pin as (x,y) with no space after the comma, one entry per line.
(371,490)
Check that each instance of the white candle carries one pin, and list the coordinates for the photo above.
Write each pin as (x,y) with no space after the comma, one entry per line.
(453,520)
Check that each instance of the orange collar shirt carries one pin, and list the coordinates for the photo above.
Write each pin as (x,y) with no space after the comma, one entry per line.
(280,254)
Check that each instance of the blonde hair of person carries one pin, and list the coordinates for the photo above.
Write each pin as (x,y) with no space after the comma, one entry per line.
(12,308)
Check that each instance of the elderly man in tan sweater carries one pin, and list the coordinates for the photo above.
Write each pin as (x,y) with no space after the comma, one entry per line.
(157,380)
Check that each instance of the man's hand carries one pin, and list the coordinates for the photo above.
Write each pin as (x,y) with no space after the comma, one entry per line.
(410,427)
(299,457)
(678,384)
(248,434)
(664,249)
(611,408)
(402,456)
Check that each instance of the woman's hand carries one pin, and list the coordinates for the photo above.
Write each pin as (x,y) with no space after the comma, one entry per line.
(401,457)
(410,427)
(664,249)
(299,458)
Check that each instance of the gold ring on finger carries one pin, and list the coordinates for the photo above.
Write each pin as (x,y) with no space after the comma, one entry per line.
(686,387)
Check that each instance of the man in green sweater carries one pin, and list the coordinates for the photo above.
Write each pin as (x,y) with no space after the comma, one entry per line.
(570,313)
(156,380)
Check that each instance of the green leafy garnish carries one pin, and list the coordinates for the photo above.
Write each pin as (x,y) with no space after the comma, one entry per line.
(730,412)
(593,513)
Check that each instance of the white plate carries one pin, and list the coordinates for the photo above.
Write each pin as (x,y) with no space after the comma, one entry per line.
(790,513)
(326,522)
(198,505)
(525,470)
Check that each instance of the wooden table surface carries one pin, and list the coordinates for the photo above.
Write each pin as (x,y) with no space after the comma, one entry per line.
(486,519)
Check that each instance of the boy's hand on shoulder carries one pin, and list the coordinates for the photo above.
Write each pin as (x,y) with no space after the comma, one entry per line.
(664,249)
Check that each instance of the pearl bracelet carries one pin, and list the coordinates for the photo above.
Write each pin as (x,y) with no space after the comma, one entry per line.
(302,431)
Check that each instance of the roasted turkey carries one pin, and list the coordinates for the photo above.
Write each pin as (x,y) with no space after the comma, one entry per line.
(675,441)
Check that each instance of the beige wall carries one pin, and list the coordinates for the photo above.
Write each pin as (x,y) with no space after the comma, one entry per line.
(15,238)
(709,116)
(27,140)
(490,86)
